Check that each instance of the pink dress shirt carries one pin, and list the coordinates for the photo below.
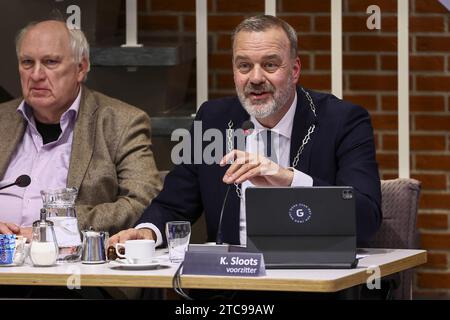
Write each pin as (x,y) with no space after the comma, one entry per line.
(47,165)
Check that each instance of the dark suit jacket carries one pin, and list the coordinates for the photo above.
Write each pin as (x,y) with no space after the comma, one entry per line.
(111,161)
(341,152)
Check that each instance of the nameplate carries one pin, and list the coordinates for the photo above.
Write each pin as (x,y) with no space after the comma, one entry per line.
(223,261)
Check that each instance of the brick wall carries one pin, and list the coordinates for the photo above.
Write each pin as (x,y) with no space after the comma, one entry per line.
(370,79)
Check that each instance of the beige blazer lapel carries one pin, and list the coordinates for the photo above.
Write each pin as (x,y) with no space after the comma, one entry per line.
(83,139)
(12,128)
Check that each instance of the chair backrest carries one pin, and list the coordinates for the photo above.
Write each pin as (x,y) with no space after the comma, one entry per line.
(400,199)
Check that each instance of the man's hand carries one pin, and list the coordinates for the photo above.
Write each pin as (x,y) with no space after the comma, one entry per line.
(9,228)
(132,234)
(259,170)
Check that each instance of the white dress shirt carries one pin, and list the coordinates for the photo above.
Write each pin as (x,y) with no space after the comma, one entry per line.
(254,144)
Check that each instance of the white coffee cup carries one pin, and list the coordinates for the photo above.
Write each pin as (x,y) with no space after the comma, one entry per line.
(137,251)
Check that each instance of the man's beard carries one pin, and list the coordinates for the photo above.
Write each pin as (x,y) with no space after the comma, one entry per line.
(271,105)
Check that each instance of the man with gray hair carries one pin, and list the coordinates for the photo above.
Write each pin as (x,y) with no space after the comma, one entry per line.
(63,134)
(319,140)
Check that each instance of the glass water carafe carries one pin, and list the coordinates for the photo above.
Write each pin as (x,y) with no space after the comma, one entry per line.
(60,207)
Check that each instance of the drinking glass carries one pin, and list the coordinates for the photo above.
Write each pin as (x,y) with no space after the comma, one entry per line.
(178,234)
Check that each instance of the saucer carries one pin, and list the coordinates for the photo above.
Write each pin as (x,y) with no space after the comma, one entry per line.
(124,264)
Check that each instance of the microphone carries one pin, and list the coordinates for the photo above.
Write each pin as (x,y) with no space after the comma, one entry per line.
(247,127)
(219,239)
(21,181)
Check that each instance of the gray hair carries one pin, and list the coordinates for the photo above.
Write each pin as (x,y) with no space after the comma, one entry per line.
(77,41)
(264,22)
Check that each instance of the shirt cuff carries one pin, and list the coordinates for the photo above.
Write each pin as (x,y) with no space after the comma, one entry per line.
(154,228)
(301,179)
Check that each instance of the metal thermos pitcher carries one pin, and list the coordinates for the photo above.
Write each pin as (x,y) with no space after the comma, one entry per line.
(94,246)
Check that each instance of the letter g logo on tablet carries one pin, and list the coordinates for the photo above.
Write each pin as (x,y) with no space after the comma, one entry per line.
(300,213)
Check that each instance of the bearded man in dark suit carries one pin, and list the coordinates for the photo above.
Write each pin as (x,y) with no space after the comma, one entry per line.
(321,141)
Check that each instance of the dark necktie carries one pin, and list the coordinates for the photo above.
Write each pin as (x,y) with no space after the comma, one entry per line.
(270,149)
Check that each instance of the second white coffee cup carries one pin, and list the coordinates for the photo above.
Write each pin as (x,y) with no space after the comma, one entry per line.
(137,251)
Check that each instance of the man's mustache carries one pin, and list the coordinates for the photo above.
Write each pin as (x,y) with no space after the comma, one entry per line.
(258,89)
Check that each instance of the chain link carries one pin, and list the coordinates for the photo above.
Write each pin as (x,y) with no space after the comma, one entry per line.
(311,103)
(238,190)
(310,130)
(230,147)
(230,137)
(304,142)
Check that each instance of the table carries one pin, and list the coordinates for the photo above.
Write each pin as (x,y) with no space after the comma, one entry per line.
(389,261)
